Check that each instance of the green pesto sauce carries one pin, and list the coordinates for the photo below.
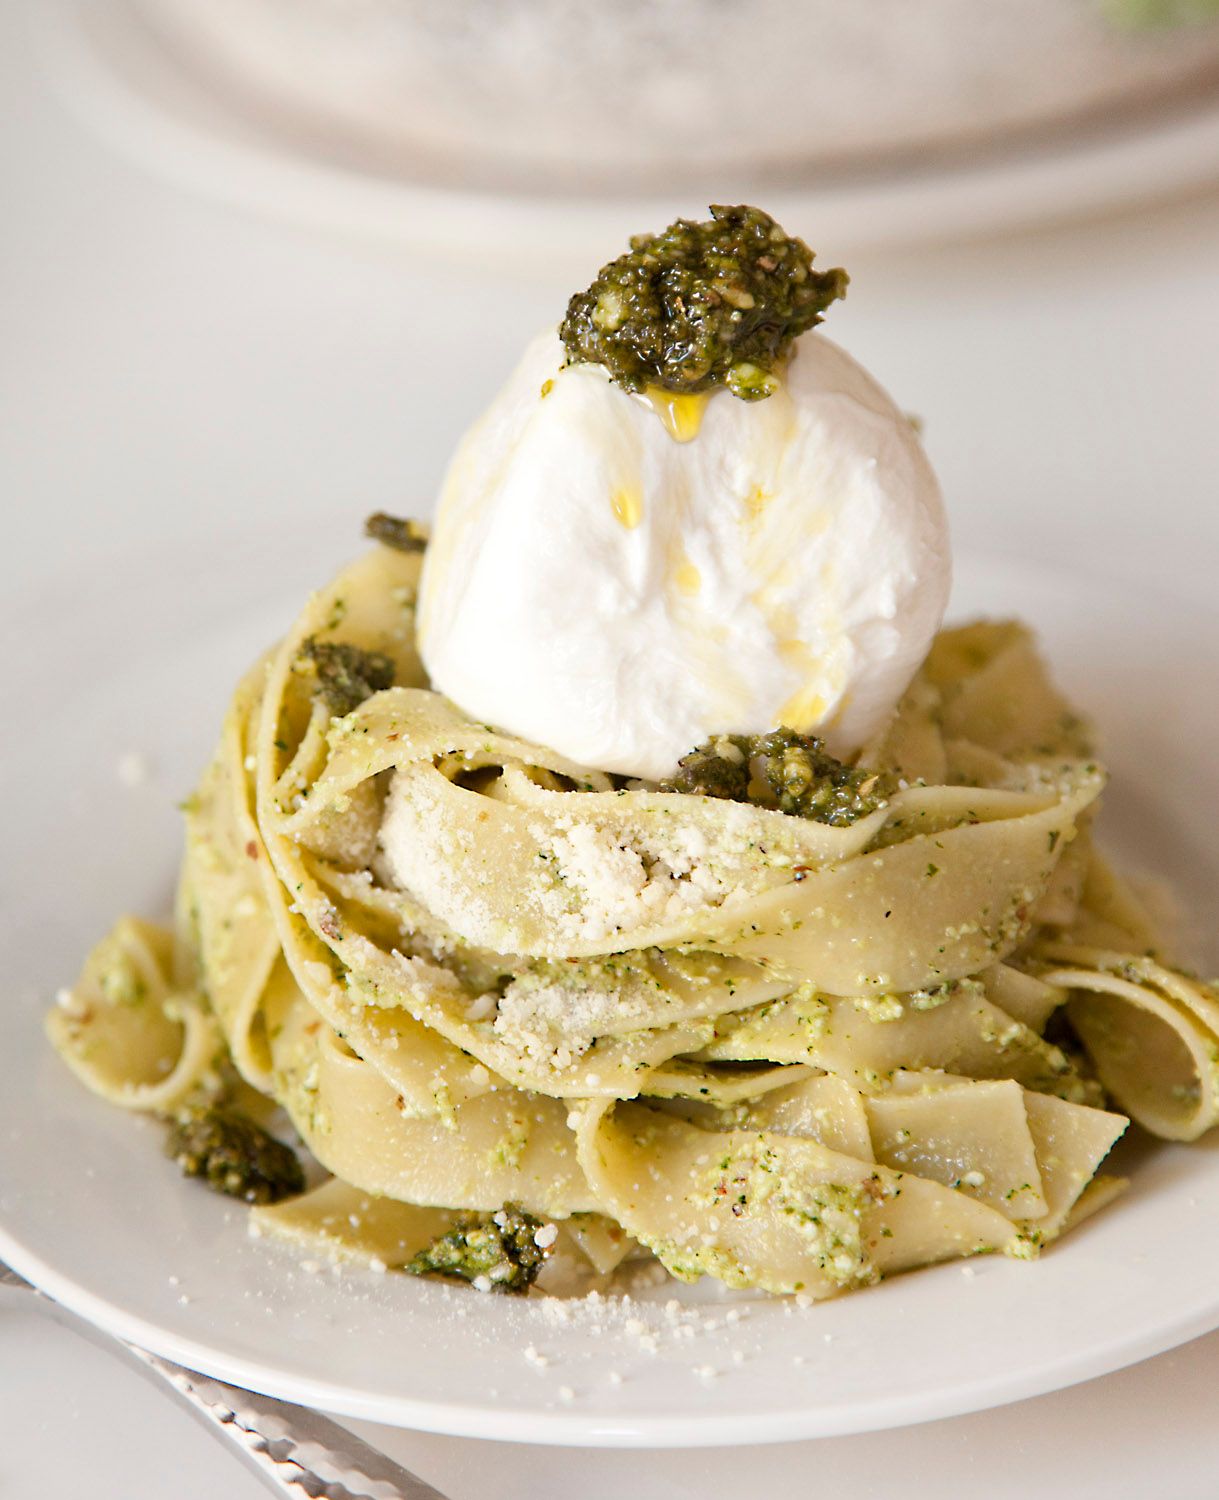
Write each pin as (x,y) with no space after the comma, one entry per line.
(345,675)
(701,305)
(495,1252)
(403,535)
(791,772)
(235,1156)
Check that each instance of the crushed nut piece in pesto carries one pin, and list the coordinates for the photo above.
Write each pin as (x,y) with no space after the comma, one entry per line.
(403,534)
(347,674)
(701,305)
(497,1252)
(235,1156)
(785,770)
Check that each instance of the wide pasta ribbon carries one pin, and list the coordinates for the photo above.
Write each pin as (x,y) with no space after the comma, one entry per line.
(790,1055)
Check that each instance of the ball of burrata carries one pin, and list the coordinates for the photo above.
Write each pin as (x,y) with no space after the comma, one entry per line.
(621,577)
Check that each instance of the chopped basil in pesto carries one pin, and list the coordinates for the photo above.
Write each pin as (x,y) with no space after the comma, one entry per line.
(346,674)
(785,770)
(404,535)
(233,1155)
(494,1252)
(701,305)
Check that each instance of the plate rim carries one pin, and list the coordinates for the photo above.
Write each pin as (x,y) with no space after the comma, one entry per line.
(575,1428)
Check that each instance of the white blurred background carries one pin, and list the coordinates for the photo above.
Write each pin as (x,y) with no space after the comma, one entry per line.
(209,325)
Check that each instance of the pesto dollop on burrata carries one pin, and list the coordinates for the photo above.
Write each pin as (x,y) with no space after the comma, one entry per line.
(628,561)
(702,304)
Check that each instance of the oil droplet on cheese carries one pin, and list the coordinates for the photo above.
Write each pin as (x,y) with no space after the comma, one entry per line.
(627,505)
(755,503)
(803,710)
(681,416)
(806,708)
(686,577)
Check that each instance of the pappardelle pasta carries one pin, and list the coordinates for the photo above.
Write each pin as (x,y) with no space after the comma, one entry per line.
(797,1055)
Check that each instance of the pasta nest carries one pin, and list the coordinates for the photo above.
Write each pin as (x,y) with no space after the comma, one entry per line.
(788,1055)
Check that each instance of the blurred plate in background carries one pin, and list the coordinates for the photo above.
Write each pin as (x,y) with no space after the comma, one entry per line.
(454,126)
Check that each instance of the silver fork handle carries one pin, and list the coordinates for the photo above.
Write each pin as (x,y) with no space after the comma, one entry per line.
(293,1450)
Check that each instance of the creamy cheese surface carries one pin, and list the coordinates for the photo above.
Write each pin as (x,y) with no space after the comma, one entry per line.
(601,587)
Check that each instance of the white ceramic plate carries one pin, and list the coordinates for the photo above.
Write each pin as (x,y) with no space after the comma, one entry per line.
(148,100)
(141,660)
